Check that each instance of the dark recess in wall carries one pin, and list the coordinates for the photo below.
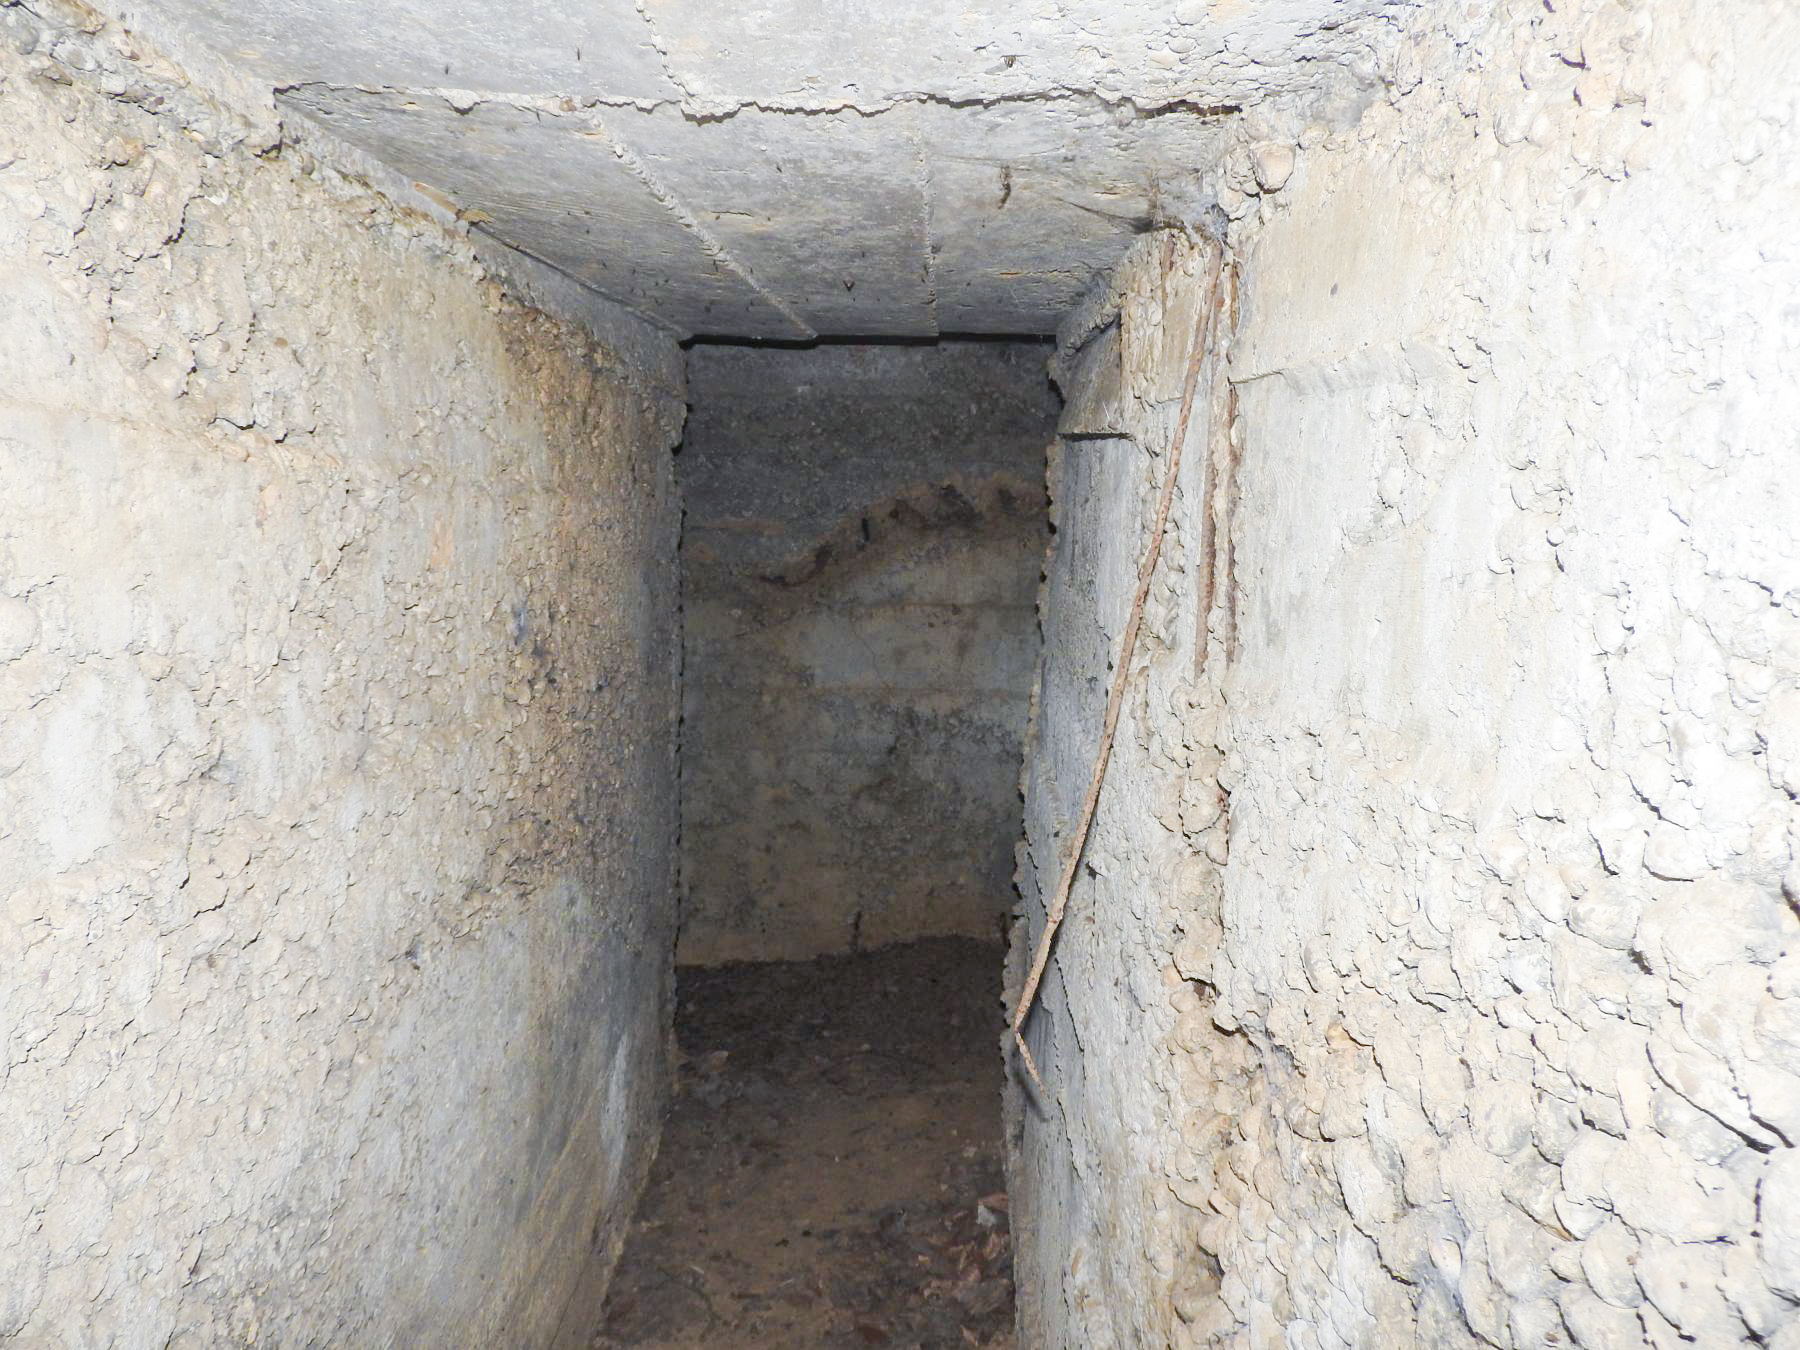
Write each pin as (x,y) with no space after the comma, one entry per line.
(865,533)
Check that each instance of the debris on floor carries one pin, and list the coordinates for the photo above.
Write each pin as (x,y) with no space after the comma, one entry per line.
(830,1172)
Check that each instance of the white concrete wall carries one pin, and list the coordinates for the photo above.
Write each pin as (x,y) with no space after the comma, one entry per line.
(337,665)
(1436,977)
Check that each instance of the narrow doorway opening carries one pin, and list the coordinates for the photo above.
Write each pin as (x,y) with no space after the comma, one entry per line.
(862,550)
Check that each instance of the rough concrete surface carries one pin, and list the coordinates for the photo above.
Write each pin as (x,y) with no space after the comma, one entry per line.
(337,796)
(1098,1245)
(864,534)
(779,170)
(1432,978)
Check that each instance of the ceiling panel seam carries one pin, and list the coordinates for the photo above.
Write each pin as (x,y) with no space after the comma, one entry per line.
(653,319)
(363,165)
(689,221)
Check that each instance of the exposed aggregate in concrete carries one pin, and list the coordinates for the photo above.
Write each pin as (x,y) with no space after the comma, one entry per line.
(337,662)
(1435,979)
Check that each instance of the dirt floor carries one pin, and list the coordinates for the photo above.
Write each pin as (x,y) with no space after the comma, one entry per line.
(830,1172)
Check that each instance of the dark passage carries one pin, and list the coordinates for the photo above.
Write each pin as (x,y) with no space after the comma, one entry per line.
(830,1172)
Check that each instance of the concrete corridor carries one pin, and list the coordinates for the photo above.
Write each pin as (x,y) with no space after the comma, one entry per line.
(540,538)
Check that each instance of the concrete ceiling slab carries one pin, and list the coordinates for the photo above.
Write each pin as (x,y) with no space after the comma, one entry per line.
(782,169)
(867,53)
(829,211)
(1064,187)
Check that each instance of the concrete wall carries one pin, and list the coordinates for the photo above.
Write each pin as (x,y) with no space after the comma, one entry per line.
(1433,979)
(1098,1235)
(336,765)
(864,534)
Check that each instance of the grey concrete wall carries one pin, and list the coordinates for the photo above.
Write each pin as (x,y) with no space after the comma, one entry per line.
(1434,981)
(865,528)
(337,798)
(1098,1249)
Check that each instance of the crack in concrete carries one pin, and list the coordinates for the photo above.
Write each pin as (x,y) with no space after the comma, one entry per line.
(662,52)
(928,230)
(703,109)
(585,113)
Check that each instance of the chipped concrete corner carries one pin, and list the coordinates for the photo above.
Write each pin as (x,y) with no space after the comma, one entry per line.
(864,531)
(337,602)
(1435,976)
